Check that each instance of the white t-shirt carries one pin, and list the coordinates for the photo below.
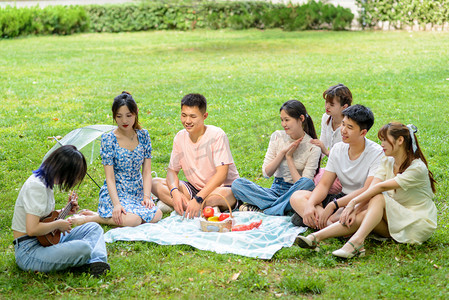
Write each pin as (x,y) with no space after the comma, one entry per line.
(34,199)
(199,160)
(329,136)
(353,173)
(306,156)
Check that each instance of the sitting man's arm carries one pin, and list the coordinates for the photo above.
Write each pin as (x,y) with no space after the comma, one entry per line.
(313,209)
(193,207)
(179,199)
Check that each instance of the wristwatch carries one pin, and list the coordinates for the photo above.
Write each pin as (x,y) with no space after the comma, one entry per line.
(199,199)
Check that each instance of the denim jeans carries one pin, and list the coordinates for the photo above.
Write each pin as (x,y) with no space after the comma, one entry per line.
(275,200)
(84,244)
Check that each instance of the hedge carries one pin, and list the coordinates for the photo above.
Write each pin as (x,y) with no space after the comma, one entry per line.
(50,20)
(399,14)
(177,15)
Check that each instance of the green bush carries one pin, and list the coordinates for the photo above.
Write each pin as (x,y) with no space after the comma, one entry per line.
(403,12)
(172,16)
(49,20)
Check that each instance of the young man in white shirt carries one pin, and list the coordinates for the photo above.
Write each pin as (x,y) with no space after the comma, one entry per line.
(354,161)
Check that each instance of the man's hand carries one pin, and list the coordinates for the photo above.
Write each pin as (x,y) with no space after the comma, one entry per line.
(310,217)
(179,201)
(328,211)
(193,209)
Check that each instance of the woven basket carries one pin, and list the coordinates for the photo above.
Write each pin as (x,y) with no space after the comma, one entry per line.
(221,226)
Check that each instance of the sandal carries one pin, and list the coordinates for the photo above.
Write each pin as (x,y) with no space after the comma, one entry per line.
(306,243)
(358,252)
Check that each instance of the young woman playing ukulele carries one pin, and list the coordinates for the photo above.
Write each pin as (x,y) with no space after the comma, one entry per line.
(82,246)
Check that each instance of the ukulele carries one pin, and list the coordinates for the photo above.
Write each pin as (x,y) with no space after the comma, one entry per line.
(52,238)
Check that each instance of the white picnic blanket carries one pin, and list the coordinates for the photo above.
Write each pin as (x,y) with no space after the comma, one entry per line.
(274,233)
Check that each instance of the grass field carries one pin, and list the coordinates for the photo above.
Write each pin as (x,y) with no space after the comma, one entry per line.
(51,85)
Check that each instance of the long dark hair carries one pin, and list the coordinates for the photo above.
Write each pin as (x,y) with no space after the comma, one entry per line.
(296,109)
(66,165)
(396,130)
(125,98)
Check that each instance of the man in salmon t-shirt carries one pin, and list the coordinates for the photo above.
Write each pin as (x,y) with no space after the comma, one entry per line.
(203,153)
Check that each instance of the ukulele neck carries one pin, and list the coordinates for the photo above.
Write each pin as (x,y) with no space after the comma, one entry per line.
(65,211)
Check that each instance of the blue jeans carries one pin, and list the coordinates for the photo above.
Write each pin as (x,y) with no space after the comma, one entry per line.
(84,244)
(275,200)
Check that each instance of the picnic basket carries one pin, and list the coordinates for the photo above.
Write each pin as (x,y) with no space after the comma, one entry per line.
(220,226)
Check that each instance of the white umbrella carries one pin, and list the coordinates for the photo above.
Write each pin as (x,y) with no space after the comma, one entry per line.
(85,139)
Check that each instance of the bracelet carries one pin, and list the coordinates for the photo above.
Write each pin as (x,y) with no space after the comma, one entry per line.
(149,196)
(336,205)
(175,188)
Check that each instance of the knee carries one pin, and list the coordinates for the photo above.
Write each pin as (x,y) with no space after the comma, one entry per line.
(298,197)
(93,228)
(378,200)
(238,184)
(158,182)
(157,216)
(132,220)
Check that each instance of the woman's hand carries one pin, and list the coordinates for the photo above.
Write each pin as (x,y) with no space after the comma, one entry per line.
(147,202)
(73,197)
(64,226)
(290,149)
(320,144)
(117,214)
(348,215)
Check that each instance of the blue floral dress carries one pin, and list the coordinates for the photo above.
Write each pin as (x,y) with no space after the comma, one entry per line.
(128,177)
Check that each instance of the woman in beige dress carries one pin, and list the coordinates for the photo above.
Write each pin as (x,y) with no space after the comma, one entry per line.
(398,203)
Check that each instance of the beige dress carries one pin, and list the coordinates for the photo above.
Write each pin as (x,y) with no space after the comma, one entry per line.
(411,213)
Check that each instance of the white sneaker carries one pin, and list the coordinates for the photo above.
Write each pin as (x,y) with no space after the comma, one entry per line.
(164,207)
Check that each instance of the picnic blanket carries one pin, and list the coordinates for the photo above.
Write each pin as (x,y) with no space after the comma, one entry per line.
(274,233)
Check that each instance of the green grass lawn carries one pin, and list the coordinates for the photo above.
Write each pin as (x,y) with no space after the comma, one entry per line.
(51,85)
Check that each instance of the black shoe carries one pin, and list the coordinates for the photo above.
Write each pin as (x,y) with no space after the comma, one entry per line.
(96,269)
(297,220)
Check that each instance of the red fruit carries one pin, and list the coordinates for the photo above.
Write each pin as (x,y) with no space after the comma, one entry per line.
(242,227)
(208,212)
(223,217)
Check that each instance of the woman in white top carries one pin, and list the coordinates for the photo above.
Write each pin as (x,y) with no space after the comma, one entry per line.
(82,246)
(291,158)
(338,98)
(399,200)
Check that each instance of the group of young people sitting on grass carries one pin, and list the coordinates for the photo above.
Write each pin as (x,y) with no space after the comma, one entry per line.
(365,187)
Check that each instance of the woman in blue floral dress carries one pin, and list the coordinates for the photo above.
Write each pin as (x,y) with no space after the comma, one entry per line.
(125,197)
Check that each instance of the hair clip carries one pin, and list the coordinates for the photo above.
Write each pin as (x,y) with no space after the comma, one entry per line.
(413,129)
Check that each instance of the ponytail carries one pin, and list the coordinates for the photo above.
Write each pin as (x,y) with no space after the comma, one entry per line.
(296,109)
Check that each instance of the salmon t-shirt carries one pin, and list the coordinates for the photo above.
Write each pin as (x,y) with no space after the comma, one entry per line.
(199,160)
